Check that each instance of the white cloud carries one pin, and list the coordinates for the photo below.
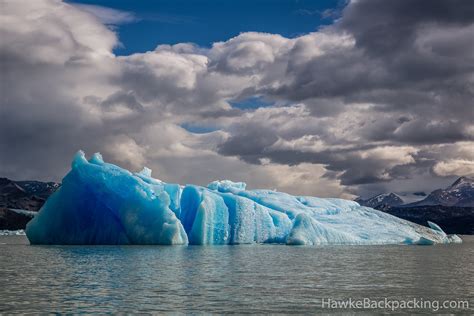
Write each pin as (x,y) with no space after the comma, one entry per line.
(126,152)
(458,167)
(391,155)
(53,32)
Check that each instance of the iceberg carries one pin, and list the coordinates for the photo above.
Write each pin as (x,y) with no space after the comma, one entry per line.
(101,203)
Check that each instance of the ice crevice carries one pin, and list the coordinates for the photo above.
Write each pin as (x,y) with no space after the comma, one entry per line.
(101,203)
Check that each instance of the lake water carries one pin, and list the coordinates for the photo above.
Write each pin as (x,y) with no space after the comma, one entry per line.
(242,279)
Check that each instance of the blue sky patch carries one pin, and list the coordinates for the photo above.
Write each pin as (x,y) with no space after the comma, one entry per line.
(198,129)
(251,103)
(204,22)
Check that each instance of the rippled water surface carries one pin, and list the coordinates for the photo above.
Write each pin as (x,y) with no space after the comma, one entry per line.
(253,279)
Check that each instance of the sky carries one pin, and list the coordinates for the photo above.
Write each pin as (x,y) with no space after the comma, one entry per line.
(206,22)
(322,98)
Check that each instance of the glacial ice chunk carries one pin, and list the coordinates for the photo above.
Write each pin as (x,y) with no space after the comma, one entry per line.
(205,217)
(225,185)
(254,223)
(309,231)
(100,203)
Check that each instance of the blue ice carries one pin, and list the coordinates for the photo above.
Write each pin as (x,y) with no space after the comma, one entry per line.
(101,203)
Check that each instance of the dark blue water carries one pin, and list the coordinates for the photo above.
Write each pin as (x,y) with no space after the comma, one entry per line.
(242,279)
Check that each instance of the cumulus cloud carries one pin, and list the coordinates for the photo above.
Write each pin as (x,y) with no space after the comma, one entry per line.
(380,99)
(460,167)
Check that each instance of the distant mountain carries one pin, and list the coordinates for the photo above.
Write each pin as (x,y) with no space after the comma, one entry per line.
(19,199)
(451,208)
(38,188)
(25,195)
(460,193)
(381,201)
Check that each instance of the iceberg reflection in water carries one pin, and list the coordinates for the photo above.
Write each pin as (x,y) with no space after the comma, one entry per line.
(100,203)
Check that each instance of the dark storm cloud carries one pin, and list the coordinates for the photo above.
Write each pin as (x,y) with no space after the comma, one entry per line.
(408,46)
(348,167)
(421,132)
(385,27)
(353,163)
(412,60)
(249,144)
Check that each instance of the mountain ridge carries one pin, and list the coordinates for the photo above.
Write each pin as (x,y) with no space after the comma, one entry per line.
(19,199)
(452,208)
(459,194)
(381,201)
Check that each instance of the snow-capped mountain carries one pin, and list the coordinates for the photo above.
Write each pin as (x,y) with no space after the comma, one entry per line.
(382,201)
(20,199)
(38,188)
(451,208)
(460,193)
(26,195)
(12,195)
